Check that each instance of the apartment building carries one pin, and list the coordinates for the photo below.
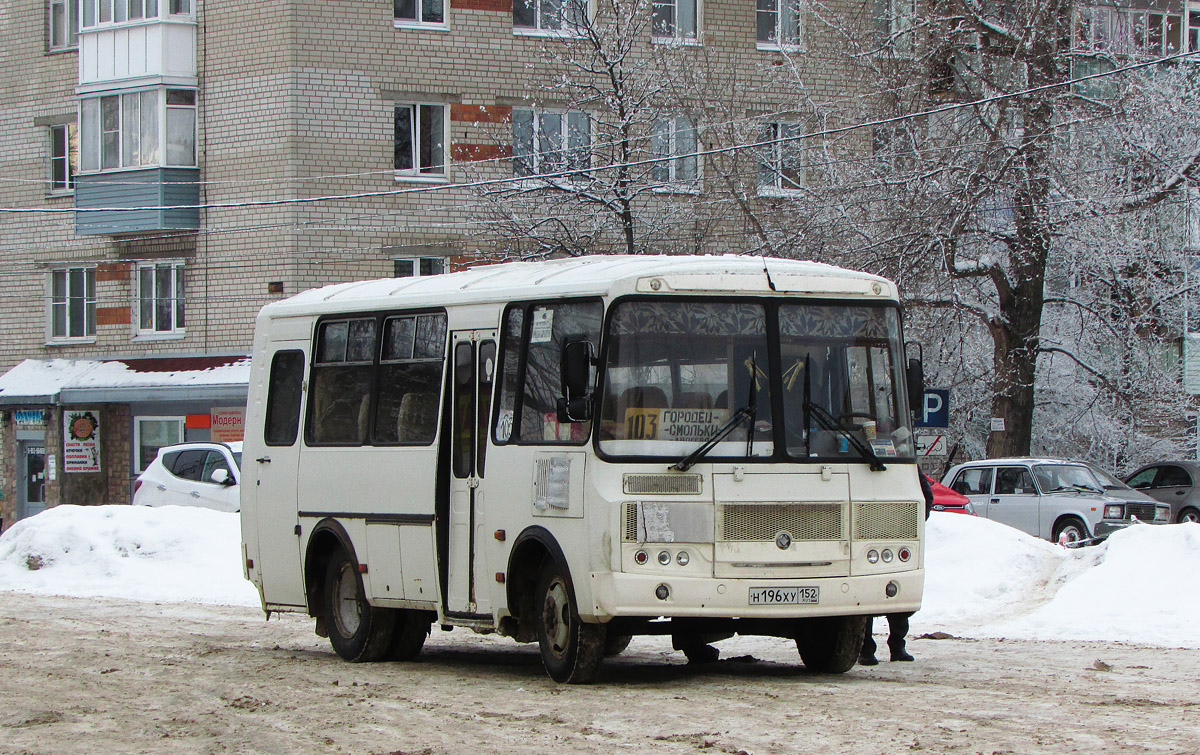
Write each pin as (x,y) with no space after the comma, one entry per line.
(167,167)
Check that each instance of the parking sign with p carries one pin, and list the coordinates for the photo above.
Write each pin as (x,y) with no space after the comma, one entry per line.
(935,408)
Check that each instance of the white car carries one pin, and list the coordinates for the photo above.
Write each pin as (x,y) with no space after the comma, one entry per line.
(202,474)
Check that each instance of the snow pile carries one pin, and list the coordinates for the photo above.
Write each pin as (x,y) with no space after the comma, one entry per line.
(170,554)
(983,579)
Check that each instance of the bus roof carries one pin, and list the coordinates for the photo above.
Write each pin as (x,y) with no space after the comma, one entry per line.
(594,275)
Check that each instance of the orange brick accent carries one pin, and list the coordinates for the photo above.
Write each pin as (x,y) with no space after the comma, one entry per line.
(112,315)
(481,113)
(467,153)
(500,6)
(113,271)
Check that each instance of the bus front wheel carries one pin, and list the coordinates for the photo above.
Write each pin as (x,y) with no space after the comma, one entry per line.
(571,649)
(830,644)
(358,631)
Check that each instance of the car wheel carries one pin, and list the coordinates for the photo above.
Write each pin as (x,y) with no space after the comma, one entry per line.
(1189,515)
(1072,527)
(571,650)
(830,644)
(358,631)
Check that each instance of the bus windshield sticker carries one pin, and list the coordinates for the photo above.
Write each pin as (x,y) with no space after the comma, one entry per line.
(883,447)
(543,326)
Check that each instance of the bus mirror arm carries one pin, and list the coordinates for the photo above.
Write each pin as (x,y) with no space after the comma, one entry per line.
(576,367)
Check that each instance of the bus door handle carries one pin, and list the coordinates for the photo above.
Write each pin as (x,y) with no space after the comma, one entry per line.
(995,500)
(263,460)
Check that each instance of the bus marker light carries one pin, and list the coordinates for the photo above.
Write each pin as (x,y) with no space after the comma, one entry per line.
(904,554)
(499,535)
(500,577)
(640,558)
(362,568)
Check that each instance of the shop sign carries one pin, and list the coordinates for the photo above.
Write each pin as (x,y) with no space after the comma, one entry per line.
(227,423)
(29,419)
(81,441)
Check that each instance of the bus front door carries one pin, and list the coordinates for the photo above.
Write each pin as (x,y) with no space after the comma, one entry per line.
(474,359)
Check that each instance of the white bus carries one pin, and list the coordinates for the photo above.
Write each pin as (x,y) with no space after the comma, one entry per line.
(579,451)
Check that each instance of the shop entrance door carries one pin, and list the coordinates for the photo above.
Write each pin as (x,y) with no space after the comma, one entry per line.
(31,487)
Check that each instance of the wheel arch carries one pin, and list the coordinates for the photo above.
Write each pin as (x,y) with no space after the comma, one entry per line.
(1089,528)
(326,537)
(530,551)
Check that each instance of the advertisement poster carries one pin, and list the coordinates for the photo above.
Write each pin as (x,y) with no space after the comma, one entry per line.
(81,441)
(226,423)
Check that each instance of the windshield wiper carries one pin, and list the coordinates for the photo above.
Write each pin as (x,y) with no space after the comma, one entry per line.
(827,421)
(1075,488)
(749,411)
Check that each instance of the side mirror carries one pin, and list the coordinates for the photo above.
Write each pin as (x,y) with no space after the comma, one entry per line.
(576,403)
(221,477)
(914,376)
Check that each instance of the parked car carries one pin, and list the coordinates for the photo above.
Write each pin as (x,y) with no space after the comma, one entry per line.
(945,499)
(1173,483)
(1055,499)
(202,474)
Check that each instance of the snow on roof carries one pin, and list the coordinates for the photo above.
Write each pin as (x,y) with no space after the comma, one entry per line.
(45,380)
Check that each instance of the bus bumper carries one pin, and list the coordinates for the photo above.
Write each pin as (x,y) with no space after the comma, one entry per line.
(616,594)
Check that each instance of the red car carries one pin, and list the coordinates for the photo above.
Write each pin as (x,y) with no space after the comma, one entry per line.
(945,499)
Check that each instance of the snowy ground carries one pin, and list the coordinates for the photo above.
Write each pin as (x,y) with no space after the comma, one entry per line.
(982,579)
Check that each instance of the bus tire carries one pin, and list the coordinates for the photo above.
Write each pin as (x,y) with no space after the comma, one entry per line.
(830,644)
(571,650)
(615,644)
(408,636)
(358,631)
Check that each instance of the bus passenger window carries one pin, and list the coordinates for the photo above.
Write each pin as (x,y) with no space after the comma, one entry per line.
(551,326)
(410,377)
(510,361)
(283,398)
(341,383)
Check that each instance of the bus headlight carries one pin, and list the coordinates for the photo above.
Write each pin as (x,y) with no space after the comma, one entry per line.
(887,556)
(872,556)
(683,558)
(664,558)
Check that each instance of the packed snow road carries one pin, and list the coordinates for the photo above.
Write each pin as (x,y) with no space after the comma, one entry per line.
(110,675)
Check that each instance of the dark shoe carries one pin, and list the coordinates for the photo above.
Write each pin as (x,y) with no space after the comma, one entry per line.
(902,655)
(867,660)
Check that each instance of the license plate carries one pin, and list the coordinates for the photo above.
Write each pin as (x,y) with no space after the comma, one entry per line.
(784,596)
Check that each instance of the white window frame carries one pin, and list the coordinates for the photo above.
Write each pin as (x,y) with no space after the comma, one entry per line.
(94,13)
(62,25)
(434,173)
(779,10)
(1124,31)
(64,156)
(568,27)
(674,31)
(181,423)
(666,142)
(153,327)
(139,143)
(539,153)
(901,17)
(779,134)
(55,303)
(418,21)
(417,265)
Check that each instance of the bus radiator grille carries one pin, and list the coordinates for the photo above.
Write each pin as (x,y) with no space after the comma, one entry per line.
(886,521)
(761,522)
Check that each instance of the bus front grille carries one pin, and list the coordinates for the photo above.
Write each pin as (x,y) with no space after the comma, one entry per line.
(757,522)
(886,521)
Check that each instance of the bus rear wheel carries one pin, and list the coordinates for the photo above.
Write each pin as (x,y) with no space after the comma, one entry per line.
(830,644)
(571,650)
(408,636)
(358,631)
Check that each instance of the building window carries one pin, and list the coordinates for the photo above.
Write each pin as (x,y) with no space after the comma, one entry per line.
(779,23)
(151,434)
(1123,31)
(123,130)
(420,140)
(119,11)
(73,303)
(781,166)
(546,141)
(901,16)
(673,142)
(160,298)
(64,24)
(674,19)
(64,157)
(415,267)
(419,11)
(549,15)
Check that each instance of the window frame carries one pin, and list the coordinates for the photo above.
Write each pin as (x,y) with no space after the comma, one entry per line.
(568,29)
(274,408)
(180,423)
(96,153)
(774,40)
(88,304)
(774,161)
(107,13)
(673,157)
(417,173)
(674,35)
(418,22)
(418,266)
(70,15)
(66,136)
(541,149)
(178,300)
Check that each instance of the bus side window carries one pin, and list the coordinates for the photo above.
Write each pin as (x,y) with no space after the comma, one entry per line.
(510,363)
(341,383)
(283,398)
(551,326)
(410,378)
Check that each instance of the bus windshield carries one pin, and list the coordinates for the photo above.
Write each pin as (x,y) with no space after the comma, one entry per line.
(678,371)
